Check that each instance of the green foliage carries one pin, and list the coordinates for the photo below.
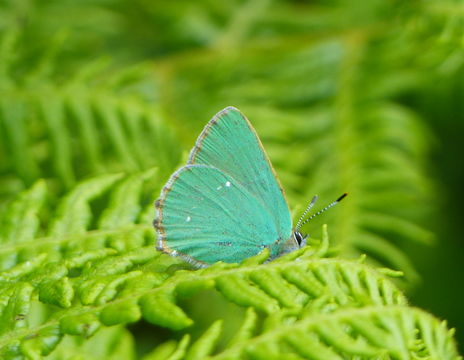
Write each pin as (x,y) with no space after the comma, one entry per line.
(98,100)
(81,126)
(91,268)
(323,135)
(110,343)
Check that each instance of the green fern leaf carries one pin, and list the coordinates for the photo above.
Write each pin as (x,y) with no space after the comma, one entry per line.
(81,127)
(340,103)
(91,268)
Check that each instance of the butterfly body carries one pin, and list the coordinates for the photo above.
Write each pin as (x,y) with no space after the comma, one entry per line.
(226,204)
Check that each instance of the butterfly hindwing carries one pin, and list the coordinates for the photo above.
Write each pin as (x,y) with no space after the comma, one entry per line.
(206,214)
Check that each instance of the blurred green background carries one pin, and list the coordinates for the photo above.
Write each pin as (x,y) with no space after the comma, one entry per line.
(357,96)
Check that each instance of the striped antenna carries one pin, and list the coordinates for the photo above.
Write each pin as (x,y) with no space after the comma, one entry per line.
(311,204)
(301,223)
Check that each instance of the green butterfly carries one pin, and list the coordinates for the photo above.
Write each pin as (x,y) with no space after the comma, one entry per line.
(227,204)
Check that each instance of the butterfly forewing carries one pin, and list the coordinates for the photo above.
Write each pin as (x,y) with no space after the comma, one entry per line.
(230,143)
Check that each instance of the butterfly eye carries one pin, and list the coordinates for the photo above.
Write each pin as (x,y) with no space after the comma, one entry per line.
(298,237)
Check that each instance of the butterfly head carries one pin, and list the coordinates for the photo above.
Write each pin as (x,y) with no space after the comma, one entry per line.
(298,239)
(295,242)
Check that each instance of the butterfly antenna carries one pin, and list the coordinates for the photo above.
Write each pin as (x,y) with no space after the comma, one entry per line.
(300,224)
(311,204)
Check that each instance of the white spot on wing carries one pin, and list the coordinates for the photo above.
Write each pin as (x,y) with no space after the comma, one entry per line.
(188,219)
(219,188)
(228,183)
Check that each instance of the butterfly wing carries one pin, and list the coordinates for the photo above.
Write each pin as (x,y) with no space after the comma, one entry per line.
(227,203)
(205,214)
(230,143)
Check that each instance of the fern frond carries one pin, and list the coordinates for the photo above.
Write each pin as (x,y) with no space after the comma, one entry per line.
(112,343)
(83,127)
(93,264)
(330,119)
(393,332)
(334,91)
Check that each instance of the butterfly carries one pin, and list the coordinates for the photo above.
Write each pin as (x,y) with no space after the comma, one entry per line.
(226,204)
